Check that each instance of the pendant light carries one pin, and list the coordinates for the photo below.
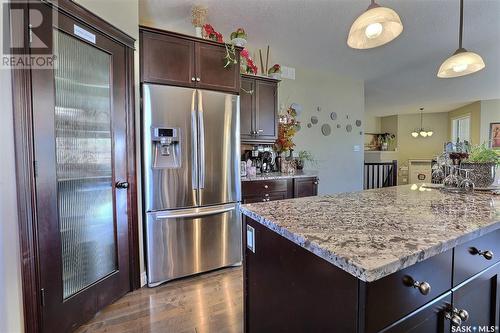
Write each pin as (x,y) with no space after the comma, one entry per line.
(421,132)
(375,27)
(462,62)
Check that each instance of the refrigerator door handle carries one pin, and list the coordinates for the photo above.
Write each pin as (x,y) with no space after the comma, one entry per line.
(201,140)
(195,212)
(194,143)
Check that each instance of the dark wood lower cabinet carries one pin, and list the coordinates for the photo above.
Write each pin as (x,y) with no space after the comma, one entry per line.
(279,189)
(289,289)
(480,297)
(430,318)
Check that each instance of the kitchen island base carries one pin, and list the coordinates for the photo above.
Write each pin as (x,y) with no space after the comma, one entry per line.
(290,289)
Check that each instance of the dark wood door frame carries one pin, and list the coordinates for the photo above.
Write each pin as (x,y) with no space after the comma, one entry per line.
(24,155)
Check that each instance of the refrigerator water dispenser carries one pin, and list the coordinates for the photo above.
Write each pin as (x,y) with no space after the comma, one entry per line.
(166,147)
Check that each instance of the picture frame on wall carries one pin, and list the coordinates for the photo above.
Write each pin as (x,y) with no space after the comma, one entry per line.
(495,136)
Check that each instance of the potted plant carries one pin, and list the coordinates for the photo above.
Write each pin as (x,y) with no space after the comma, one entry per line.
(247,64)
(482,163)
(239,37)
(305,156)
(275,72)
(287,129)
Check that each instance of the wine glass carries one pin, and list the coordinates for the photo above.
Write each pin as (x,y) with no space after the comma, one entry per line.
(466,184)
(451,181)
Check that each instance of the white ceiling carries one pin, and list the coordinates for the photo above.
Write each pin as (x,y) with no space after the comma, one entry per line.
(399,77)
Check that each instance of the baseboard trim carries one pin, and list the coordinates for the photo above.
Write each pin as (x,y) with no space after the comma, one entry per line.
(144,279)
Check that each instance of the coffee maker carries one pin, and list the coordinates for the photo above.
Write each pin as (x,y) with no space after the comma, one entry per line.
(267,160)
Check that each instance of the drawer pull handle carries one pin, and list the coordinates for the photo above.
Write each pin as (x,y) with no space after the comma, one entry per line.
(423,287)
(488,255)
(266,186)
(457,316)
(265,199)
(266,195)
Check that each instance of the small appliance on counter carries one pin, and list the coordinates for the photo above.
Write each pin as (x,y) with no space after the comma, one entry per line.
(260,158)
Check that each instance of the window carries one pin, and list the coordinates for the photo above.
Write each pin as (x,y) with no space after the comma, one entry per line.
(460,129)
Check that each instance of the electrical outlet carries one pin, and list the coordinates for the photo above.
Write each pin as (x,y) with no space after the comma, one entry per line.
(356,148)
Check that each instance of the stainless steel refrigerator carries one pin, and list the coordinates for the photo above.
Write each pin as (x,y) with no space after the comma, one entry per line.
(191,181)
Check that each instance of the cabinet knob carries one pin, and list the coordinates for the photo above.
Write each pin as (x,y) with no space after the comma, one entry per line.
(316,182)
(423,287)
(463,314)
(266,186)
(488,255)
(455,320)
(457,316)
(198,79)
(193,79)
(260,131)
(265,199)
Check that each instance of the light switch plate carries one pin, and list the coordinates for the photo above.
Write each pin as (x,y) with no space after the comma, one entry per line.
(356,148)
(251,238)
(287,73)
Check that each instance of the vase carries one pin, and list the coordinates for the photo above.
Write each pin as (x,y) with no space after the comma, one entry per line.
(277,162)
(197,32)
(481,174)
(384,146)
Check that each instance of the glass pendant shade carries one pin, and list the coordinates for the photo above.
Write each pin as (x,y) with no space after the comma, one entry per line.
(375,27)
(430,133)
(423,133)
(414,134)
(461,63)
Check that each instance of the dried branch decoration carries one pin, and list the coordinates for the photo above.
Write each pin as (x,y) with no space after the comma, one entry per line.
(198,15)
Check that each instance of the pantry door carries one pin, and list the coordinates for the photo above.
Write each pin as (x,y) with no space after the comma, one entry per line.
(80,152)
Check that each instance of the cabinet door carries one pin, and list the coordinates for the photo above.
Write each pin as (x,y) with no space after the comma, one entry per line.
(266,122)
(480,298)
(305,187)
(167,60)
(210,71)
(429,319)
(247,109)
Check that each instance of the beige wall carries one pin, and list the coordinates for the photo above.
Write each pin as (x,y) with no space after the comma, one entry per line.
(340,167)
(389,124)
(11,311)
(490,113)
(421,148)
(474,110)
(372,124)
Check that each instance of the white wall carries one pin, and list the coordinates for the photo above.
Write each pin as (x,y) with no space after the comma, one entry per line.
(11,311)
(340,168)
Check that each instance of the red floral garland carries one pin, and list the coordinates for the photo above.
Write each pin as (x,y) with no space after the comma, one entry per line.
(210,33)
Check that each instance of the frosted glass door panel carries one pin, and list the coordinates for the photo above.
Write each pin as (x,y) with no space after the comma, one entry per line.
(84,153)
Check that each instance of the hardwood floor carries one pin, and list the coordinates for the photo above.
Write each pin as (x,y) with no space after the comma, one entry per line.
(206,303)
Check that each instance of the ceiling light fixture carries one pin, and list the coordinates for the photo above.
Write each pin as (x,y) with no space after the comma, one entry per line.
(421,132)
(375,27)
(462,62)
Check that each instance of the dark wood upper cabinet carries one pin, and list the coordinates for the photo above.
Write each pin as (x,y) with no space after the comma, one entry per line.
(247,108)
(258,109)
(167,59)
(181,60)
(210,70)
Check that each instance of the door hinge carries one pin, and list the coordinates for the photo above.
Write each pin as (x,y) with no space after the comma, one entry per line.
(35,168)
(42,296)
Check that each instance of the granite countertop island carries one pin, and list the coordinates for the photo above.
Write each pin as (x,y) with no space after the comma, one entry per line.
(280,175)
(374,233)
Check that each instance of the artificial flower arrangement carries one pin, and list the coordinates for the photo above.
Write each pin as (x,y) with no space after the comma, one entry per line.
(288,127)
(276,69)
(210,33)
(198,18)
(247,64)
(239,37)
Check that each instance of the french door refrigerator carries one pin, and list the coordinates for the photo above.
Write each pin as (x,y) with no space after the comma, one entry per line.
(191,181)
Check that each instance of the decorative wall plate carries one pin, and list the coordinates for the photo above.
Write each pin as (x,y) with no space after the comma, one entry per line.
(326,129)
(309,125)
(348,128)
(339,126)
(314,120)
(333,115)
(358,123)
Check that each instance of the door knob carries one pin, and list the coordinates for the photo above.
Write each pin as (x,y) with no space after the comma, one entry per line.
(121,185)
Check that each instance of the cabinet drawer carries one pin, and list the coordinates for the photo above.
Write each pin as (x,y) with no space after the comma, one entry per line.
(272,196)
(261,187)
(476,255)
(393,297)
